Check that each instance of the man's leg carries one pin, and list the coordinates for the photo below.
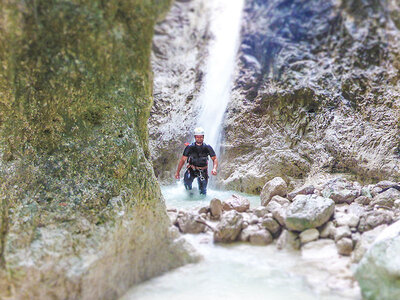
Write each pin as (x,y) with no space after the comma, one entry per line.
(188,179)
(202,180)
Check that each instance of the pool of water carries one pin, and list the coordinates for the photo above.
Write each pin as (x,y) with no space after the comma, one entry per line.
(239,270)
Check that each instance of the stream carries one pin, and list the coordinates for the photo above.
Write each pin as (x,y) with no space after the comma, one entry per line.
(241,270)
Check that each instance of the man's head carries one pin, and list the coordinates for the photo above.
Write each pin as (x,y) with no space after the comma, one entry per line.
(199,135)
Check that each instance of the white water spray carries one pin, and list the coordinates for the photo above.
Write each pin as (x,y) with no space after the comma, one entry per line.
(225,27)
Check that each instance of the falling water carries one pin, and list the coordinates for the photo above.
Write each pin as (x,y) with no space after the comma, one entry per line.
(225,27)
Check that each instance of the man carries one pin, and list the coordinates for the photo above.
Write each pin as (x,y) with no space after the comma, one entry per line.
(196,154)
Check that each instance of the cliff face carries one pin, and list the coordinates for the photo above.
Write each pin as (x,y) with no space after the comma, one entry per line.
(317,90)
(178,59)
(82,215)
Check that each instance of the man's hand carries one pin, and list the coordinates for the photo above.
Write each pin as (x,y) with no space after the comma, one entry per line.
(214,171)
(177,176)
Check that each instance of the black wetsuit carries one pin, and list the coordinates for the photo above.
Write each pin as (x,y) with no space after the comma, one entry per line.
(198,157)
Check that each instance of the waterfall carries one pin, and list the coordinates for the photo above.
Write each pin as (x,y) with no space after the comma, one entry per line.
(215,94)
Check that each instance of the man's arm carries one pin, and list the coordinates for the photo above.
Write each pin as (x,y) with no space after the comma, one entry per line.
(215,165)
(180,165)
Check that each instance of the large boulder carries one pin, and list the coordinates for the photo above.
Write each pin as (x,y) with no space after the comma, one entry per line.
(308,211)
(378,273)
(375,218)
(190,223)
(387,198)
(341,191)
(276,186)
(228,229)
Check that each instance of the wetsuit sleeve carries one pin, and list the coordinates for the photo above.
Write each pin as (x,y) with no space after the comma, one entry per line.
(187,151)
(211,151)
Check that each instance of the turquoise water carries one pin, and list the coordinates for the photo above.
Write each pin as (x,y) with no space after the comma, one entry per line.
(237,271)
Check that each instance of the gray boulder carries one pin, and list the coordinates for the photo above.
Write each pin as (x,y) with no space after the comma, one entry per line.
(216,208)
(236,202)
(189,223)
(288,240)
(386,198)
(342,191)
(374,218)
(308,211)
(304,190)
(344,246)
(278,206)
(309,235)
(228,229)
(378,272)
(276,186)
(365,241)
(271,225)
(261,237)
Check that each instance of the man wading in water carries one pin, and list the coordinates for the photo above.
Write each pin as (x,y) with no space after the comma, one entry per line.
(196,154)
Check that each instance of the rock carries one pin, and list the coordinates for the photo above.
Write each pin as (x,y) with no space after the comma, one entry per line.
(260,211)
(363,200)
(276,186)
(341,191)
(229,227)
(204,210)
(254,220)
(341,232)
(365,241)
(188,223)
(304,190)
(386,184)
(246,232)
(288,240)
(271,225)
(344,246)
(278,206)
(216,208)
(308,211)
(236,202)
(327,230)
(260,237)
(378,272)
(343,219)
(374,218)
(309,235)
(386,198)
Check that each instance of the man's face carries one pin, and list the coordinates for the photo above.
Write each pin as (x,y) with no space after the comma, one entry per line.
(199,139)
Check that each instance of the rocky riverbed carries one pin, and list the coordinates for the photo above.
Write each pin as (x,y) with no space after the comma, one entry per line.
(334,220)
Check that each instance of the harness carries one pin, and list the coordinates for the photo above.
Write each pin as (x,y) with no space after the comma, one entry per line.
(198,158)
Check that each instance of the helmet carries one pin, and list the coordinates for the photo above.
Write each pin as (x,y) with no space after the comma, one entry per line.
(199,131)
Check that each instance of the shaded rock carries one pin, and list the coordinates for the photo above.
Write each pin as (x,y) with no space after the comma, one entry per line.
(260,237)
(271,225)
(378,272)
(246,232)
(384,184)
(341,191)
(189,223)
(341,232)
(288,240)
(204,210)
(365,241)
(345,246)
(374,218)
(254,219)
(236,202)
(304,190)
(260,211)
(363,200)
(386,198)
(216,208)
(309,235)
(278,206)
(327,230)
(229,227)
(276,186)
(308,211)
